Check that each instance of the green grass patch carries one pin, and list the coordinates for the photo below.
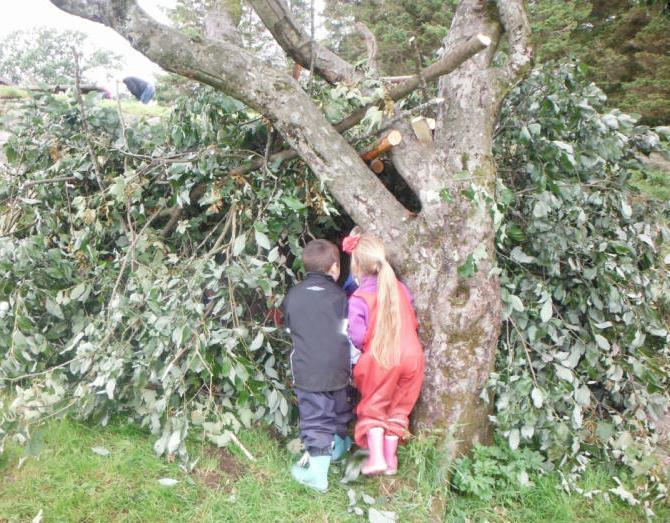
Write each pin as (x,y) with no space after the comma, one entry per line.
(70,482)
(135,108)
(7,91)
(653,183)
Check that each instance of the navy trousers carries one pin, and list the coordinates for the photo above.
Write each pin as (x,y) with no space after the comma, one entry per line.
(322,415)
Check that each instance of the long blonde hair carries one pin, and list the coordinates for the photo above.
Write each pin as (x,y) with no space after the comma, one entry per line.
(369,259)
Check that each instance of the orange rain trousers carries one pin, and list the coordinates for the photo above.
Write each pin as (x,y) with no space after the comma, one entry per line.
(388,395)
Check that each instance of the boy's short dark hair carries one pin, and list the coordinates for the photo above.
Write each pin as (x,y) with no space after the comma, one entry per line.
(319,256)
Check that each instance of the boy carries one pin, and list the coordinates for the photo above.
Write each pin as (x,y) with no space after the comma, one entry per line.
(315,314)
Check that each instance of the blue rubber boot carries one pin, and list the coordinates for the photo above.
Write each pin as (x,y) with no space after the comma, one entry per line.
(315,474)
(340,447)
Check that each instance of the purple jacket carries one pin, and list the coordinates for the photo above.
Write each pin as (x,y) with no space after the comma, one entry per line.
(358,310)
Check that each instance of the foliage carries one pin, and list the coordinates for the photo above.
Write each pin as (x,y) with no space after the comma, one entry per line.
(46,56)
(393,24)
(624,43)
(583,361)
(496,469)
(153,297)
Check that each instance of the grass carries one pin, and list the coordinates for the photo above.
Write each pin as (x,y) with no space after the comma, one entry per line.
(69,482)
(653,183)
(7,91)
(135,108)
(128,106)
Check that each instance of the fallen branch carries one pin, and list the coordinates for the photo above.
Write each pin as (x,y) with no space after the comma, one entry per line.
(377,166)
(241,447)
(57,179)
(84,121)
(382,145)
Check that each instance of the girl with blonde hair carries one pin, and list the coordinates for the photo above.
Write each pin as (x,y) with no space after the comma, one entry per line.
(389,373)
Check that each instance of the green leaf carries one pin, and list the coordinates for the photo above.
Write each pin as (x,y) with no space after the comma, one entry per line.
(513,439)
(79,293)
(262,240)
(101,451)
(34,445)
(293,203)
(516,303)
(604,430)
(257,342)
(519,256)
(564,373)
(583,396)
(239,244)
(547,311)
(538,397)
(602,342)
(516,233)
(468,269)
(273,255)
(54,309)
(541,209)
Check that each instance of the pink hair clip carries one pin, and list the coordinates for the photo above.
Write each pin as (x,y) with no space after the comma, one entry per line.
(350,243)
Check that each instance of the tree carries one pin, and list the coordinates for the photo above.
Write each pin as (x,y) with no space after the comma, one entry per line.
(393,24)
(446,251)
(45,55)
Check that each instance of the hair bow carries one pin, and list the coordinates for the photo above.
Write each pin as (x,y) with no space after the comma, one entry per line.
(350,243)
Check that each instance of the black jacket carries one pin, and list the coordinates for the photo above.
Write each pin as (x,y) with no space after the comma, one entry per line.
(315,313)
(135,85)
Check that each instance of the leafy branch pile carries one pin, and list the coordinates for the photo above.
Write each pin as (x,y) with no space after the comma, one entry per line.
(149,293)
(583,367)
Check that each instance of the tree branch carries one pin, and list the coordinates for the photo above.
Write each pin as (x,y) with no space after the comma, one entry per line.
(276,16)
(371,43)
(514,19)
(271,92)
(448,63)
(220,24)
(84,120)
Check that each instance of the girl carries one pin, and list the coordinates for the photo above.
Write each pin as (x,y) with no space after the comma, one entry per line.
(389,373)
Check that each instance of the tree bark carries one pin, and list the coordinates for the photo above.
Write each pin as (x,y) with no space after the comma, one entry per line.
(460,317)
(276,16)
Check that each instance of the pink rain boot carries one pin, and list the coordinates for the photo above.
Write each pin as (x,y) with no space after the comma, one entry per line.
(390,448)
(375,464)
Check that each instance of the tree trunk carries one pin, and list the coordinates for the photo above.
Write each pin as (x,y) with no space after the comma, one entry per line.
(455,179)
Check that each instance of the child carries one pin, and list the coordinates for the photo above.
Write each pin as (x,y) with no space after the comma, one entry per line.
(389,373)
(315,314)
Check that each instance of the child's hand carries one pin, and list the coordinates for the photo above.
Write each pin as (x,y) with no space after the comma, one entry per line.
(354,353)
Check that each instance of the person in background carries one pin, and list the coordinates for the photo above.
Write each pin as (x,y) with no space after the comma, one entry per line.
(389,372)
(140,89)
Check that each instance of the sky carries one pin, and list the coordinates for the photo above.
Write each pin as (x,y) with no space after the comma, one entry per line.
(28,14)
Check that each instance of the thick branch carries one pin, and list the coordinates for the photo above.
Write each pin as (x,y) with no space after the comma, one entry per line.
(448,63)
(220,24)
(382,145)
(276,16)
(271,92)
(514,19)
(371,43)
